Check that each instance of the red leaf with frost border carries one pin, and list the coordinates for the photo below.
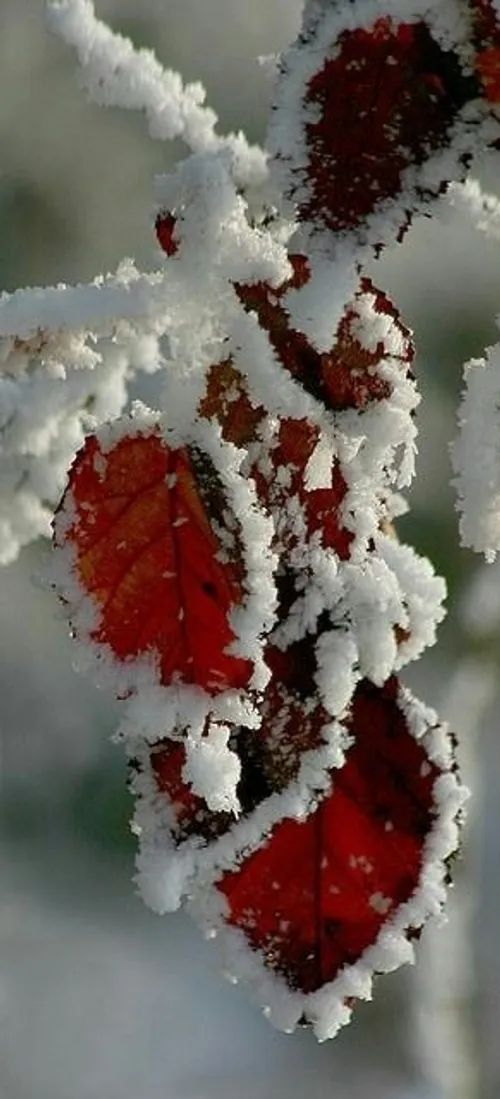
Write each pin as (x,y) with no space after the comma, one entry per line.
(226,400)
(146,553)
(315,896)
(386,97)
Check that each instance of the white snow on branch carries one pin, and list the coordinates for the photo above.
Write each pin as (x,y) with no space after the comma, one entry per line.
(116,74)
(99,306)
(44,414)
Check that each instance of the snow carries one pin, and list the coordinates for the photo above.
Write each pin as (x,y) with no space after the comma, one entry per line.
(116,74)
(213,770)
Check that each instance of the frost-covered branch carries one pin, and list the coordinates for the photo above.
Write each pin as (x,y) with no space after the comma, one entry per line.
(144,301)
(117,74)
(59,391)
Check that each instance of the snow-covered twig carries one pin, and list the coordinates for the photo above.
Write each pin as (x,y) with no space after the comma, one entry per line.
(117,74)
(141,300)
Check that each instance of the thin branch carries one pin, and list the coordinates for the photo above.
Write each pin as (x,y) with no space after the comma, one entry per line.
(143,300)
(116,74)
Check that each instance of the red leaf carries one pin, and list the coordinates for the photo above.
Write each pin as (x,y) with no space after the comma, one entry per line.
(317,894)
(165,233)
(346,376)
(191,813)
(386,98)
(349,371)
(226,399)
(486,25)
(147,554)
(296,442)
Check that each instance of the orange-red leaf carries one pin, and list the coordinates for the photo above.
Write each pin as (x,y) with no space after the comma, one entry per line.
(488,67)
(147,553)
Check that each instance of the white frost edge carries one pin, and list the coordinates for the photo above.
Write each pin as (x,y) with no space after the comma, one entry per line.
(482,207)
(325,1009)
(57,388)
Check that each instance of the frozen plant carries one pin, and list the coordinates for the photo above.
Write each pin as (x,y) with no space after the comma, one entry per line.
(228,560)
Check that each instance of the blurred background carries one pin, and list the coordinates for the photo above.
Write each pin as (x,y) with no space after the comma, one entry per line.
(99,998)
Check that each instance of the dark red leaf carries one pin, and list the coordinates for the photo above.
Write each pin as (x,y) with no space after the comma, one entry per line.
(316,895)
(165,225)
(486,24)
(226,400)
(296,442)
(387,97)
